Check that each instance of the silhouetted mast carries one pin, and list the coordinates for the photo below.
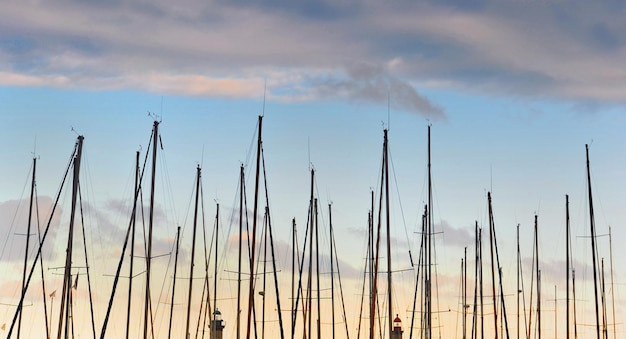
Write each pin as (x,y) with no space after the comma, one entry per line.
(146,316)
(593,244)
(132,248)
(254,223)
(169,329)
(30,214)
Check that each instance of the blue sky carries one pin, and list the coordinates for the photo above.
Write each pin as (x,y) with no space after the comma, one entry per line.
(513,90)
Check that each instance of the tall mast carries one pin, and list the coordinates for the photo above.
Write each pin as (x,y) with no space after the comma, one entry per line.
(254,223)
(293,272)
(518,291)
(317,272)
(429,234)
(593,244)
(604,331)
(146,316)
(482,304)
(241,207)
(389,286)
(497,260)
(132,248)
(371,268)
(217,233)
(538,279)
(493,275)
(574,299)
(465,293)
(475,309)
(169,329)
(612,286)
(30,214)
(67,276)
(193,251)
(309,283)
(332,277)
(567,259)
(264,275)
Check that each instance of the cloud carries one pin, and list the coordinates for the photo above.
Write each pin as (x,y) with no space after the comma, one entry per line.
(456,236)
(331,50)
(14,221)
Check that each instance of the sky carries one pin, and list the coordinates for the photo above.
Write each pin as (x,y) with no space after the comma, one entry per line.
(513,91)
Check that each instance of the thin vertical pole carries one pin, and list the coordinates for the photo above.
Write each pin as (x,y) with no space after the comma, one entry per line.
(332,277)
(317,272)
(493,275)
(241,207)
(30,214)
(293,272)
(593,245)
(612,286)
(567,262)
(465,293)
(518,291)
(132,247)
(169,330)
(193,252)
(217,234)
(389,286)
(146,316)
(67,277)
(254,223)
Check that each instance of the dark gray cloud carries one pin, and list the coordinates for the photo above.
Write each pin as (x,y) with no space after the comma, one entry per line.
(329,50)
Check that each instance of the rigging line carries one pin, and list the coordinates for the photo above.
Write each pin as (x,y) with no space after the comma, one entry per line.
(300,270)
(43,281)
(6,239)
(395,179)
(21,302)
(138,196)
(82,222)
(267,202)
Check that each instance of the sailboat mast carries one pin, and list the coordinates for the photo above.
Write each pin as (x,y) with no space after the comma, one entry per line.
(293,272)
(371,268)
(169,329)
(30,214)
(146,316)
(593,244)
(389,286)
(567,260)
(465,293)
(493,275)
(67,277)
(193,252)
(429,231)
(574,300)
(518,291)
(604,331)
(317,272)
(612,286)
(132,248)
(254,224)
(482,303)
(332,277)
(264,274)
(241,207)
(217,233)
(538,279)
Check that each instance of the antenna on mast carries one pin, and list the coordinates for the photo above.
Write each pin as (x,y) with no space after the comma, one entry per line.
(264,93)
(388,111)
